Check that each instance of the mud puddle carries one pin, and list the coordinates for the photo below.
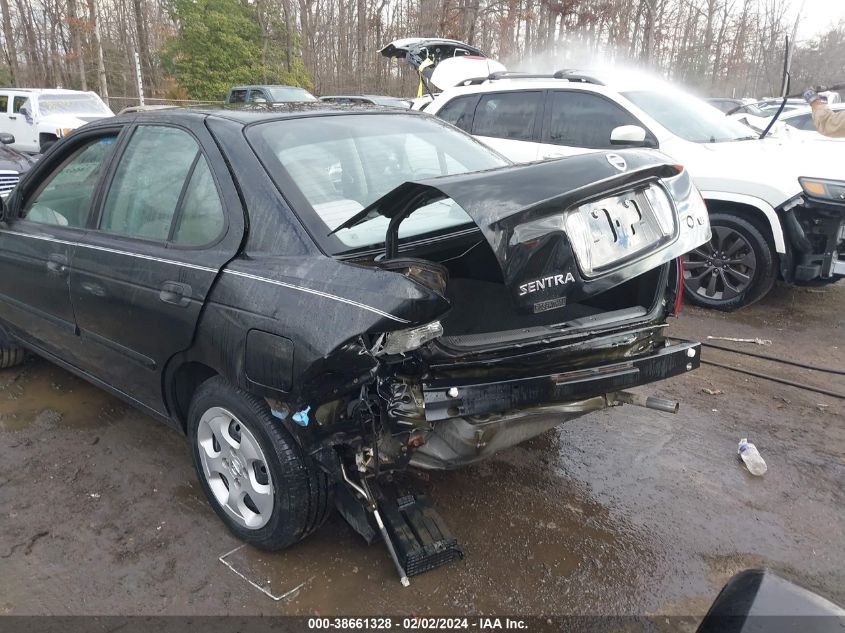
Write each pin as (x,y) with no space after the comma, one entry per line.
(40,395)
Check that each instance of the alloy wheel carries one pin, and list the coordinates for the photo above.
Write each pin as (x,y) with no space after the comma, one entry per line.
(235,468)
(721,269)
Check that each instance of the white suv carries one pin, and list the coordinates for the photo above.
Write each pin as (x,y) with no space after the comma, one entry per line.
(38,118)
(777,207)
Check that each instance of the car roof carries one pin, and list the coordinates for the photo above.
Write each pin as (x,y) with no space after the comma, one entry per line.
(48,91)
(269,112)
(248,86)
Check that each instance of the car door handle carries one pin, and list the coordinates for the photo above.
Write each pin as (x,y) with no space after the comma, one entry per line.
(95,289)
(12,116)
(176,293)
(57,264)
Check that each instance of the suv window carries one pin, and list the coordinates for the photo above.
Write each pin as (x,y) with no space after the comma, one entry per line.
(581,119)
(802,122)
(509,115)
(65,197)
(257,94)
(459,112)
(18,102)
(4,103)
(237,96)
(148,183)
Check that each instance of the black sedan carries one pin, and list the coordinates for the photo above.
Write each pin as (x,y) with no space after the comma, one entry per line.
(323,297)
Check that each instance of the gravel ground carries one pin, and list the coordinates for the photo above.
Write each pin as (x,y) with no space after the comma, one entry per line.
(626,511)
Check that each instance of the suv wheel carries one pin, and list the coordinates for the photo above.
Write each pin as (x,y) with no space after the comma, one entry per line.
(252,470)
(735,268)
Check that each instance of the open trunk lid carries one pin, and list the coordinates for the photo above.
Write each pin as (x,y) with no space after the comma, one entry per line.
(444,63)
(566,229)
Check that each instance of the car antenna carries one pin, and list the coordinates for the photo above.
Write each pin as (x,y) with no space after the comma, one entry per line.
(784,89)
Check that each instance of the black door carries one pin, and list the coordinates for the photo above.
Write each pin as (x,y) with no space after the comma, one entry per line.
(166,225)
(37,245)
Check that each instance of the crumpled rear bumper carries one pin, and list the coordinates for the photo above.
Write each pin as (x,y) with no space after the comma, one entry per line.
(453,398)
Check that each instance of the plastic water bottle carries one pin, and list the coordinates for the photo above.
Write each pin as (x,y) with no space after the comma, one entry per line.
(751,457)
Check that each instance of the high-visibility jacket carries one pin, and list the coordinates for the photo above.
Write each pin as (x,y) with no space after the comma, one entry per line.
(827,121)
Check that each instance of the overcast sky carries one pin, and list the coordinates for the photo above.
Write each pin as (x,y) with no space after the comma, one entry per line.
(818,16)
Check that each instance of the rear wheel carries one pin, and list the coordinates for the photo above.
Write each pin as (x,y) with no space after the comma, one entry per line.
(10,353)
(253,472)
(735,268)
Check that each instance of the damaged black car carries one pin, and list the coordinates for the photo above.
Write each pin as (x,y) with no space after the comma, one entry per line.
(324,297)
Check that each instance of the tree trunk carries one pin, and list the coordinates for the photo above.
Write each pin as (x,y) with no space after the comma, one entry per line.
(11,50)
(76,42)
(143,47)
(98,46)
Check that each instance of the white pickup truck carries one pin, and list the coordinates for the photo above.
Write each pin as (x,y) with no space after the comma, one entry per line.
(38,118)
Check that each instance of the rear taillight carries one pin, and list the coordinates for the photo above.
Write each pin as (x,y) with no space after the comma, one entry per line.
(679,288)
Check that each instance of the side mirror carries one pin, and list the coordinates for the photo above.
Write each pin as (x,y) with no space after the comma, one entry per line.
(25,113)
(6,138)
(259,100)
(630,135)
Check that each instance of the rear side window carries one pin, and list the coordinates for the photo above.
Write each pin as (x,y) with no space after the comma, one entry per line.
(580,119)
(508,115)
(162,171)
(201,218)
(4,103)
(237,96)
(65,197)
(459,112)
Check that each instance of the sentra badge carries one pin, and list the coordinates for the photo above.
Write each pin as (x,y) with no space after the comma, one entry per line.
(545,282)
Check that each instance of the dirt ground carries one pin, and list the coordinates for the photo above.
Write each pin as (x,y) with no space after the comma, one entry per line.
(626,511)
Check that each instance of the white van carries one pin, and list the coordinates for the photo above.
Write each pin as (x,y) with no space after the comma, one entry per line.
(37,118)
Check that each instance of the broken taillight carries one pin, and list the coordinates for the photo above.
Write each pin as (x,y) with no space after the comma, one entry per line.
(679,288)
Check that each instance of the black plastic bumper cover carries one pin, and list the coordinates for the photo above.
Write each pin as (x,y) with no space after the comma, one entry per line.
(474,398)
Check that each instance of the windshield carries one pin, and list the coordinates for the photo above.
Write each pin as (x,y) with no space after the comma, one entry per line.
(340,164)
(688,117)
(72,104)
(289,93)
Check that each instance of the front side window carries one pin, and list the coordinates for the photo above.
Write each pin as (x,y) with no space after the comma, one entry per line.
(581,119)
(66,196)
(148,184)
(341,164)
(802,122)
(459,112)
(689,117)
(508,115)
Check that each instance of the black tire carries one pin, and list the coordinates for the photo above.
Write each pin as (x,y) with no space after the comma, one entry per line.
(741,278)
(303,493)
(45,145)
(10,353)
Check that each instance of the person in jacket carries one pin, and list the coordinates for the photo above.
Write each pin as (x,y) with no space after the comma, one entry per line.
(827,121)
